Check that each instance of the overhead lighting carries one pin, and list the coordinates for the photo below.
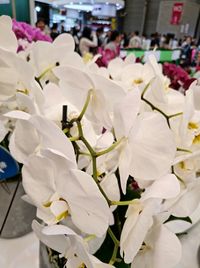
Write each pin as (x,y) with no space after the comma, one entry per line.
(80,7)
(38,9)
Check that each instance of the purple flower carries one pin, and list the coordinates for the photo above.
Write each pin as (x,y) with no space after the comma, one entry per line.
(25,31)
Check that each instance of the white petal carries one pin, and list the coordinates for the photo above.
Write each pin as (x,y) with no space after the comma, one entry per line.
(57,242)
(125,113)
(53,137)
(66,41)
(124,166)
(18,115)
(188,202)
(38,181)
(8,83)
(110,186)
(105,140)
(137,226)
(166,247)
(23,141)
(164,188)
(8,39)
(89,209)
(152,156)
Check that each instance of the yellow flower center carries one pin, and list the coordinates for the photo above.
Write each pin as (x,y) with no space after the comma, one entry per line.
(82,265)
(138,81)
(196,139)
(192,125)
(24,91)
(182,165)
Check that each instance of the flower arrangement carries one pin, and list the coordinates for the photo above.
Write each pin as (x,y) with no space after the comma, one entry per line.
(26,34)
(110,155)
(179,78)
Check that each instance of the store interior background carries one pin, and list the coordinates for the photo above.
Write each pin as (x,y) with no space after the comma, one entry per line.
(146,16)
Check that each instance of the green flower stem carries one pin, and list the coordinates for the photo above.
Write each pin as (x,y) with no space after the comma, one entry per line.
(145,89)
(112,147)
(156,109)
(114,255)
(65,130)
(116,246)
(168,117)
(45,72)
(174,115)
(179,178)
(94,160)
(122,203)
(74,138)
(85,105)
(113,237)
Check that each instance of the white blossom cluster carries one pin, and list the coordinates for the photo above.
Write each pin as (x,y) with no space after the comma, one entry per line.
(122,122)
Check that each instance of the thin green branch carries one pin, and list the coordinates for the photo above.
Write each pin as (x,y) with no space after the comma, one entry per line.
(45,71)
(85,105)
(113,237)
(122,203)
(145,89)
(174,115)
(112,147)
(114,255)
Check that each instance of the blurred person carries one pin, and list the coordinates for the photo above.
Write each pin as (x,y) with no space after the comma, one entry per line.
(100,39)
(107,38)
(135,41)
(186,52)
(124,40)
(74,33)
(42,26)
(155,40)
(62,29)
(54,31)
(163,40)
(88,40)
(114,44)
(174,43)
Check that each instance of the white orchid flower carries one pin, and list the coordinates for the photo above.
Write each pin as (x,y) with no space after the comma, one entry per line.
(61,190)
(161,248)
(190,124)
(166,99)
(45,57)
(137,75)
(104,93)
(140,214)
(186,202)
(8,38)
(40,134)
(116,66)
(72,246)
(145,153)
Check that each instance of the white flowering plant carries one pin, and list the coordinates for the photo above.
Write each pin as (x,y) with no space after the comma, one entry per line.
(110,155)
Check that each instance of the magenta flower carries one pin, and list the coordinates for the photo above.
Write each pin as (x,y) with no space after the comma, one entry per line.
(177,75)
(29,33)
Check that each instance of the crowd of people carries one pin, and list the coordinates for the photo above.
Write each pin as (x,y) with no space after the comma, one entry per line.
(90,41)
